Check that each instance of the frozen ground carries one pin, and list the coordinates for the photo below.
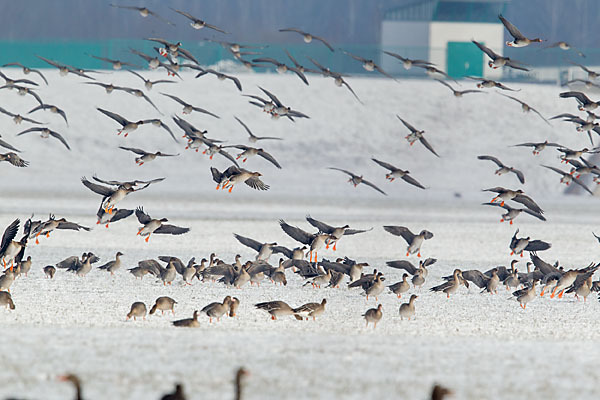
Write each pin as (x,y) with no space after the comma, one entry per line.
(481,346)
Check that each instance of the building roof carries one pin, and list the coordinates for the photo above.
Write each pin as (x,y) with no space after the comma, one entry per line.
(448,10)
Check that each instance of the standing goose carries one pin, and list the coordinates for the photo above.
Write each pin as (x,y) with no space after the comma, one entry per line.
(276,309)
(567,178)
(114,265)
(6,300)
(407,310)
(450,287)
(335,233)
(357,180)
(233,306)
(314,240)
(6,280)
(503,169)
(524,296)
(307,36)
(138,310)
(497,61)
(415,135)
(376,288)
(217,310)
(45,133)
(163,304)
(398,173)
(401,287)
(414,241)
(188,322)
(373,315)
(313,310)
(153,225)
(519,40)
(49,271)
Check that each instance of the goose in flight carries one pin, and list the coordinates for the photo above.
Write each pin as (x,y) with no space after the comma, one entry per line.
(415,135)
(198,23)
(398,173)
(519,40)
(356,180)
(308,37)
(503,169)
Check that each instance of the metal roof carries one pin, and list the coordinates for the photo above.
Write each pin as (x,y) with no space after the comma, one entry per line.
(448,10)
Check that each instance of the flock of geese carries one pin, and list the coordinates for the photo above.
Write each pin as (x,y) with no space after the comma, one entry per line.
(302,257)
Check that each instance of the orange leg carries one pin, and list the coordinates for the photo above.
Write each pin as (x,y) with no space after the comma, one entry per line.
(147,238)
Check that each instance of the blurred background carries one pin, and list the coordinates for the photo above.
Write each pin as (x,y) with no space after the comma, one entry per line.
(439,31)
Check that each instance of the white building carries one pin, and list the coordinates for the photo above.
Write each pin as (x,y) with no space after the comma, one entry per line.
(440,31)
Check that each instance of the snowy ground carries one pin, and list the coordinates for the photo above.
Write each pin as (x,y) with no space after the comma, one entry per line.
(481,346)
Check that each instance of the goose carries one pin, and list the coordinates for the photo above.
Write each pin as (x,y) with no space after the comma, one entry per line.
(116,64)
(538,147)
(335,233)
(519,245)
(524,296)
(188,108)
(488,83)
(148,84)
(6,300)
(315,241)
(45,133)
(188,322)
(519,39)
(414,241)
(526,107)
(357,180)
(49,271)
(398,173)
(27,70)
(449,287)
(369,65)
(157,226)
(567,178)
(198,23)
(234,175)
(114,265)
(253,138)
(415,135)
(373,315)
(217,310)
(308,37)
(145,157)
(313,310)
(163,304)
(138,310)
(585,104)
(276,309)
(497,61)
(17,119)
(513,213)
(407,63)
(458,93)
(14,159)
(144,12)
(518,196)
(503,169)
(407,310)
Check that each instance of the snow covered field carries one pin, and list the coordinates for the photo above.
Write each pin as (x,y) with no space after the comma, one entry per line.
(479,345)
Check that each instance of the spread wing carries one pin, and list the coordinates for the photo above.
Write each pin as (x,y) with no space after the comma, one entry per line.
(427,145)
(296,233)
(384,164)
(374,187)
(142,217)
(171,229)
(9,234)
(59,137)
(253,244)
(99,189)
(321,226)
(490,53)
(255,183)
(412,181)
(403,264)
(528,202)
(400,231)
(406,124)
(493,159)
(514,32)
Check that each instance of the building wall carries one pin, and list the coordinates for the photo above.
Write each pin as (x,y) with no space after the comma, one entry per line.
(440,33)
(407,38)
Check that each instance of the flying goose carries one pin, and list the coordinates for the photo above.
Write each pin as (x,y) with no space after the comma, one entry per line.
(14,159)
(252,138)
(407,63)
(518,196)
(315,241)
(308,37)
(188,108)
(45,133)
(585,104)
(145,156)
(414,241)
(116,64)
(198,23)
(18,118)
(488,84)
(153,225)
(519,245)
(356,180)
(513,213)
(233,175)
(148,84)
(248,152)
(144,12)
(221,76)
(567,178)
(503,169)
(26,70)
(281,67)
(416,135)
(526,107)
(519,39)
(398,173)
(335,233)
(458,93)
(538,147)
(497,61)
